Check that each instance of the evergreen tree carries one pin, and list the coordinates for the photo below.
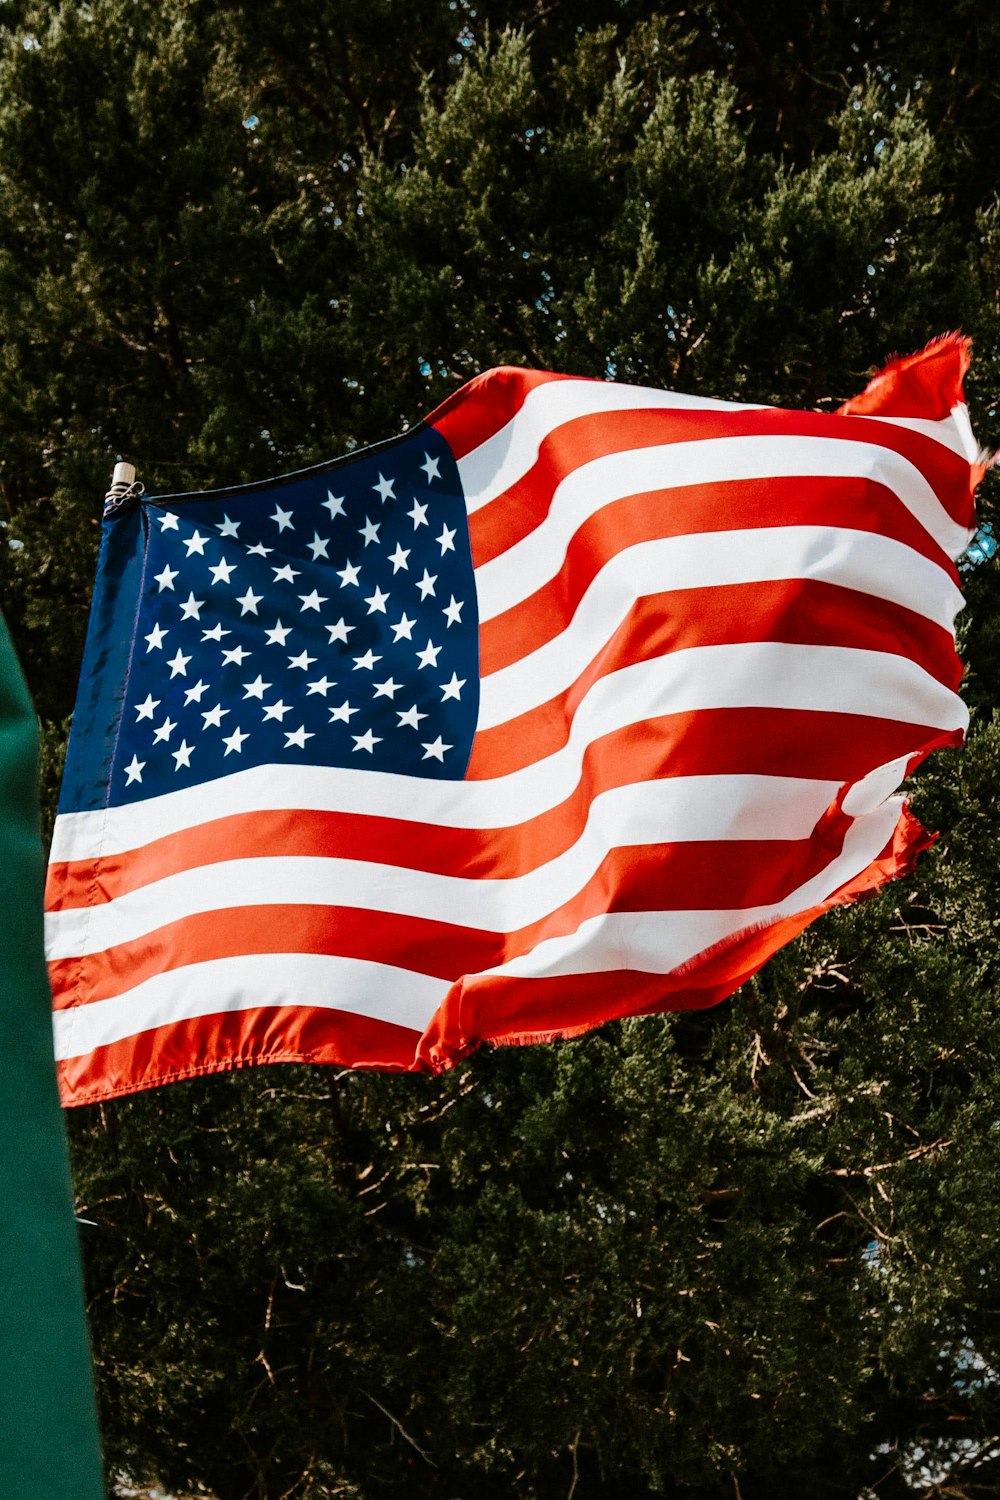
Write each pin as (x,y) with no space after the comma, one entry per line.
(750,1252)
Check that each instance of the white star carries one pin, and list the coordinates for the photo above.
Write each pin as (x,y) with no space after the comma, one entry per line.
(182,755)
(194,694)
(168,522)
(334,504)
(447,540)
(366,741)
(411,716)
(191,608)
(321,685)
(432,471)
(155,638)
(453,611)
(343,713)
(279,634)
(384,488)
(259,550)
(318,546)
(348,574)
(298,737)
(165,730)
(135,768)
(436,750)
(144,710)
(418,515)
(226,527)
(237,655)
(426,584)
(178,664)
(387,689)
(277,710)
(195,544)
(287,574)
(340,631)
(367,661)
(235,742)
(376,602)
(303,660)
(283,518)
(221,572)
(312,601)
(370,530)
(256,689)
(428,657)
(214,716)
(166,578)
(398,558)
(452,689)
(403,628)
(248,602)
(215,634)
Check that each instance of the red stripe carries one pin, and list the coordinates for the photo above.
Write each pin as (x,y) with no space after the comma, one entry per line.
(237,1039)
(515,513)
(764,741)
(751,741)
(479,409)
(229,932)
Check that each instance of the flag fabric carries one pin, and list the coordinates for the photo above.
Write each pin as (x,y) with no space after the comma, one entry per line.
(575,701)
(48,1427)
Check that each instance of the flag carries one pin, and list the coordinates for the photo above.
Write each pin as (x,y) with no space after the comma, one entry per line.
(48,1427)
(575,701)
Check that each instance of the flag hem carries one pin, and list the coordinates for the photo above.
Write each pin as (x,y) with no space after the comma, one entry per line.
(898,858)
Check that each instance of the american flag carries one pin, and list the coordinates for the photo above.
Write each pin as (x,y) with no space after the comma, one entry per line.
(575,701)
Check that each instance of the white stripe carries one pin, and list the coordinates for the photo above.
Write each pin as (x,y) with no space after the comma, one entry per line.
(260,980)
(867,563)
(769,675)
(835,679)
(953,431)
(658,942)
(504,458)
(538,557)
(673,811)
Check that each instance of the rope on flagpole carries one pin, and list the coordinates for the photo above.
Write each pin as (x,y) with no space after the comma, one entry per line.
(124,486)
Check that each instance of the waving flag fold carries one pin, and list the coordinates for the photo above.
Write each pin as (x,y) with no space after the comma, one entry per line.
(576,701)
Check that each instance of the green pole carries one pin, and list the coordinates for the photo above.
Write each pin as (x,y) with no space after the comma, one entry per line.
(48,1427)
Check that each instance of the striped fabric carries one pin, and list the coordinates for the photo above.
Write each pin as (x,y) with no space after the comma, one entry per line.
(712,638)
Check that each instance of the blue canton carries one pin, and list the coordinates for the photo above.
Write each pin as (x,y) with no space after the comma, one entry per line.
(326,619)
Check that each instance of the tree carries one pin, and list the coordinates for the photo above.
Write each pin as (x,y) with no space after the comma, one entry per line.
(747,1252)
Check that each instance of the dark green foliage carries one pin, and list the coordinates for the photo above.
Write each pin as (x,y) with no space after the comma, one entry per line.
(747,1253)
